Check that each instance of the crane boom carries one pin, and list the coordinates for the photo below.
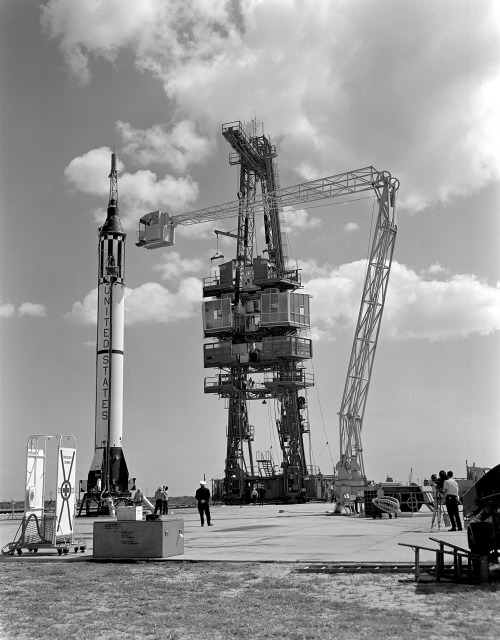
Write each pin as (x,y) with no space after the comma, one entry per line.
(348,183)
(323,188)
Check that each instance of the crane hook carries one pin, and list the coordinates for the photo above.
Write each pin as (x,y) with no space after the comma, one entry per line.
(217,256)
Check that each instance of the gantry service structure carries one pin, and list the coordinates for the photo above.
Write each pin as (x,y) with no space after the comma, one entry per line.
(255,315)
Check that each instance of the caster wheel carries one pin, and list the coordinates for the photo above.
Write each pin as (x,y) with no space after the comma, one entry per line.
(65,551)
(19,552)
(35,550)
(76,549)
(59,551)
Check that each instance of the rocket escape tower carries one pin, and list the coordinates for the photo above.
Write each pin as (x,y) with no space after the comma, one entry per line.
(253,322)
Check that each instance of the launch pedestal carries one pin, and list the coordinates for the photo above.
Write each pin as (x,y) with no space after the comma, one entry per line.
(138,540)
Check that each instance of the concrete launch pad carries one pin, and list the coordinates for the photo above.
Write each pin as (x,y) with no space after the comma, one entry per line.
(278,533)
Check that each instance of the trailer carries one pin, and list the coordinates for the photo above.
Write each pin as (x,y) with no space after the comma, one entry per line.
(40,529)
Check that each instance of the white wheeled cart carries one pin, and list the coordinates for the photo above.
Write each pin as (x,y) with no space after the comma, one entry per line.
(41,529)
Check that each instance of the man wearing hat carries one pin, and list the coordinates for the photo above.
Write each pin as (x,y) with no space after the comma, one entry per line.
(203,497)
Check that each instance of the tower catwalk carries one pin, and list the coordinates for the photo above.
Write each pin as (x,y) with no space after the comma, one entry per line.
(108,473)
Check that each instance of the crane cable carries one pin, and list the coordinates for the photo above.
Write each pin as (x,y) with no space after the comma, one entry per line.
(370,239)
(327,444)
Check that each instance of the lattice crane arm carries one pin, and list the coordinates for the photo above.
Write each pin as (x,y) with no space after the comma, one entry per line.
(156,229)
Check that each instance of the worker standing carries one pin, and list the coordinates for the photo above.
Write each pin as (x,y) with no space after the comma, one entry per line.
(164,501)
(203,497)
(159,500)
(138,497)
(254,495)
(451,501)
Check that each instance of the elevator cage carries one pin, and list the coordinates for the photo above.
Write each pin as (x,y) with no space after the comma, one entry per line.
(217,316)
(286,347)
(271,309)
(225,354)
(285,308)
(155,230)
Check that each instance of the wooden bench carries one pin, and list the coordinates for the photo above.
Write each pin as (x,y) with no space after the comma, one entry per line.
(477,565)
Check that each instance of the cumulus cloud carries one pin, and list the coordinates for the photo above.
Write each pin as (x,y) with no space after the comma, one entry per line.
(178,148)
(32,309)
(456,307)
(297,219)
(90,172)
(138,192)
(435,270)
(417,307)
(150,302)
(351,227)
(395,85)
(84,312)
(8,310)
(156,31)
(171,265)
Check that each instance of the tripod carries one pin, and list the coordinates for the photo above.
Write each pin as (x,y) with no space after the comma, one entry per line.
(438,514)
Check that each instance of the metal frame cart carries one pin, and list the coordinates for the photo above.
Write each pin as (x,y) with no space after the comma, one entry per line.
(48,530)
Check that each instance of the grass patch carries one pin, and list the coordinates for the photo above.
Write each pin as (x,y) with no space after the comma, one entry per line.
(222,601)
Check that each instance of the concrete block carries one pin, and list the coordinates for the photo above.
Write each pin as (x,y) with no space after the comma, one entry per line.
(129,539)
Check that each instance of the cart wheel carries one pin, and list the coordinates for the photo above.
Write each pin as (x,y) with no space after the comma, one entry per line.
(65,551)
(59,551)
(82,549)
(19,552)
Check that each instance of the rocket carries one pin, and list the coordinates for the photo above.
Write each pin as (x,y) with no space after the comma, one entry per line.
(108,472)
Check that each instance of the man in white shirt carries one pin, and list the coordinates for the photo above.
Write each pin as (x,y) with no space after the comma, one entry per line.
(451,501)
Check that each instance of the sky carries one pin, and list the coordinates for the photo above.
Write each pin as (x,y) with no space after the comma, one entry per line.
(412,88)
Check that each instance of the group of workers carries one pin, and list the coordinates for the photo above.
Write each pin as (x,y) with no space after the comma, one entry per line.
(161,501)
(446,490)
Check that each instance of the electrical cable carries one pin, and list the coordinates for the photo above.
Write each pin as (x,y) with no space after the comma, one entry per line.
(127,371)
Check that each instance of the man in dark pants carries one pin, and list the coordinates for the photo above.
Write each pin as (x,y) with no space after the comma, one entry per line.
(203,497)
(158,500)
(451,501)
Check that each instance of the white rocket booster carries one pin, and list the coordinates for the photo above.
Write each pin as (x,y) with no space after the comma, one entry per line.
(108,471)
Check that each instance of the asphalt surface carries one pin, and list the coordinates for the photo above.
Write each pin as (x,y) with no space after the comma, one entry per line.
(308,533)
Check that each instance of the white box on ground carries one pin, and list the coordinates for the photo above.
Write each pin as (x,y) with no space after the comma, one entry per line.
(145,539)
(129,513)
